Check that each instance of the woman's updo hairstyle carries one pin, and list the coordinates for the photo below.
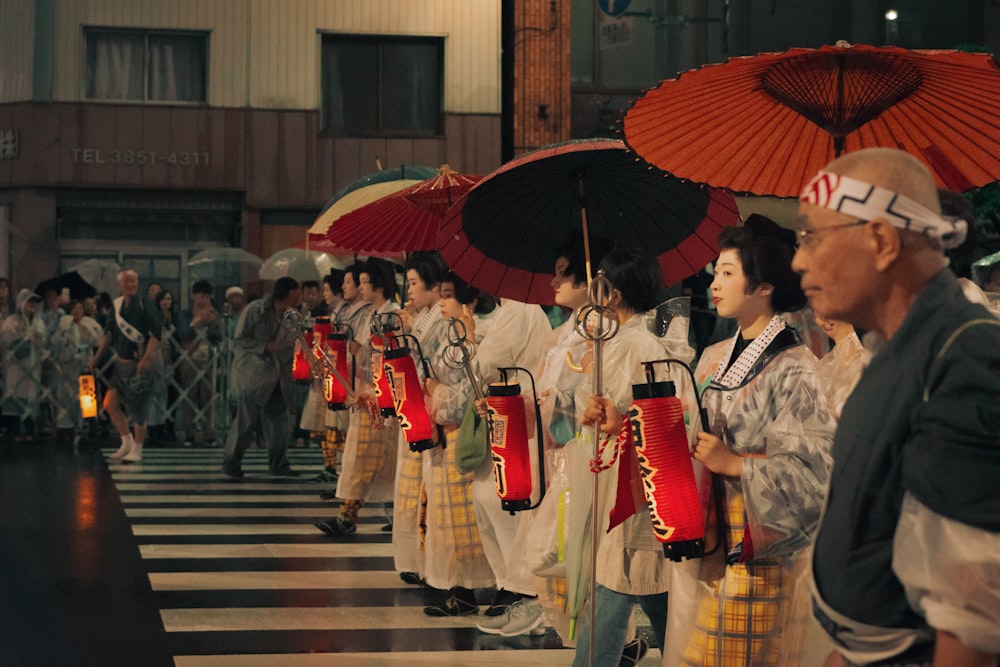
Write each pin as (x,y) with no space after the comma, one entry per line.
(766,250)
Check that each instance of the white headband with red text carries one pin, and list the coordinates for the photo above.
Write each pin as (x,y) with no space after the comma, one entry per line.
(866,201)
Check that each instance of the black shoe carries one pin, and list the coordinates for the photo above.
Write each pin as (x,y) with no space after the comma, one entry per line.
(325,477)
(328,495)
(287,473)
(235,473)
(501,602)
(633,652)
(460,602)
(387,528)
(337,527)
(411,578)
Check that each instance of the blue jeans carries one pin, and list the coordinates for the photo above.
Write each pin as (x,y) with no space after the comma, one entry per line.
(614,610)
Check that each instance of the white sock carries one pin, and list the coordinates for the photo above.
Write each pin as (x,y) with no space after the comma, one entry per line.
(127,443)
(134,454)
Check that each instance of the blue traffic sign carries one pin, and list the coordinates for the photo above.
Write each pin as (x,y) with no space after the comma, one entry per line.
(614,7)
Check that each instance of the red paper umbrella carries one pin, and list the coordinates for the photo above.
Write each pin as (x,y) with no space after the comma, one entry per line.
(766,124)
(503,236)
(405,220)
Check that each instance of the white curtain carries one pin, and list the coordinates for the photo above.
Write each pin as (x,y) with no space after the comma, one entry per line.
(115,64)
(128,66)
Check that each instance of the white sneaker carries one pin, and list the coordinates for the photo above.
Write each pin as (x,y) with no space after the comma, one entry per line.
(492,625)
(525,616)
(134,454)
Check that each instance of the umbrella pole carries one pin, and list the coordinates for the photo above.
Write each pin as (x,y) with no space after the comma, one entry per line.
(598,311)
(586,231)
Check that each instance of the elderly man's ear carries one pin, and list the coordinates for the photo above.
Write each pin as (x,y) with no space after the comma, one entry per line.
(884,241)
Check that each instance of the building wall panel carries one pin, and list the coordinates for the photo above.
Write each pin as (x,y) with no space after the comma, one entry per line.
(17,50)
(266,53)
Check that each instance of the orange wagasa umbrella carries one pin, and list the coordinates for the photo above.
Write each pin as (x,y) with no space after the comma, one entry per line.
(766,124)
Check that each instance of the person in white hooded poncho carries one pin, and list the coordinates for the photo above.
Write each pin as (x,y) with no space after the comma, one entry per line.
(630,565)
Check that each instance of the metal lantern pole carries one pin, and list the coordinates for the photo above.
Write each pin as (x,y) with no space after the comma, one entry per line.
(598,322)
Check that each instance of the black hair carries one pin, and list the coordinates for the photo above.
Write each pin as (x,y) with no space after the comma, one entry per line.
(466,294)
(575,253)
(381,275)
(766,250)
(335,279)
(355,270)
(202,287)
(309,283)
(954,204)
(428,265)
(636,274)
(161,295)
(104,301)
(283,286)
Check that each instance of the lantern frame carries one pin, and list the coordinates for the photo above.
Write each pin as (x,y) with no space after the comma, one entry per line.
(518,505)
(337,330)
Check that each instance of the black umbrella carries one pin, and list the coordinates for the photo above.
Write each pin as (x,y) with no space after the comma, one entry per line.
(73,281)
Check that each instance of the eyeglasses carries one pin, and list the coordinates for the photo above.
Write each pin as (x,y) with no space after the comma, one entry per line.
(809,237)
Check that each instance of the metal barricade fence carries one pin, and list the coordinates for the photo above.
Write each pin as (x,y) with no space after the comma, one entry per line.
(40,382)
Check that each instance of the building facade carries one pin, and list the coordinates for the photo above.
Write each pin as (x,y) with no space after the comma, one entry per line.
(143,132)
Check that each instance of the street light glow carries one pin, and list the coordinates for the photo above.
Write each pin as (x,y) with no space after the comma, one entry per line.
(891,15)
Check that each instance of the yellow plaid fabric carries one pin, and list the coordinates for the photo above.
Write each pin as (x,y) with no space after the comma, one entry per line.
(410,494)
(333,443)
(371,457)
(452,503)
(733,622)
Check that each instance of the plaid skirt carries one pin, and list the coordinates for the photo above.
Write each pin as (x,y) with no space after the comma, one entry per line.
(409,521)
(738,616)
(368,465)
(453,552)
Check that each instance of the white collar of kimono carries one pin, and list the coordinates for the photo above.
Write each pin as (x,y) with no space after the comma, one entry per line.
(866,201)
(738,372)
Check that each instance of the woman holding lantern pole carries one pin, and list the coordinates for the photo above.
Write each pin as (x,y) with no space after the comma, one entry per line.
(769,448)
(368,467)
(454,561)
(424,272)
(630,565)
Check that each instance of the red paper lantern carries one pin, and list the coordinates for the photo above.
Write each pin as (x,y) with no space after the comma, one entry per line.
(301,370)
(661,444)
(383,392)
(337,351)
(408,398)
(514,462)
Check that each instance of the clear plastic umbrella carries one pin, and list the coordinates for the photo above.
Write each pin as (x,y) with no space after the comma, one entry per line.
(224,266)
(299,264)
(102,274)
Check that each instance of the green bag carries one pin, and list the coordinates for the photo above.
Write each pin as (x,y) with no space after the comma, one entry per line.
(471,448)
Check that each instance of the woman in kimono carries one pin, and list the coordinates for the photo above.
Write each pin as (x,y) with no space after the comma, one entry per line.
(630,567)
(347,308)
(768,446)
(23,334)
(369,463)
(454,560)
(424,273)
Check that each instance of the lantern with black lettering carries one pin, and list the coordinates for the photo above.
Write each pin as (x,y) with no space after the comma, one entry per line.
(383,392)
(334,388)
(408,395)
(517,467)
(661,444)
(88,396)
(301,370)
